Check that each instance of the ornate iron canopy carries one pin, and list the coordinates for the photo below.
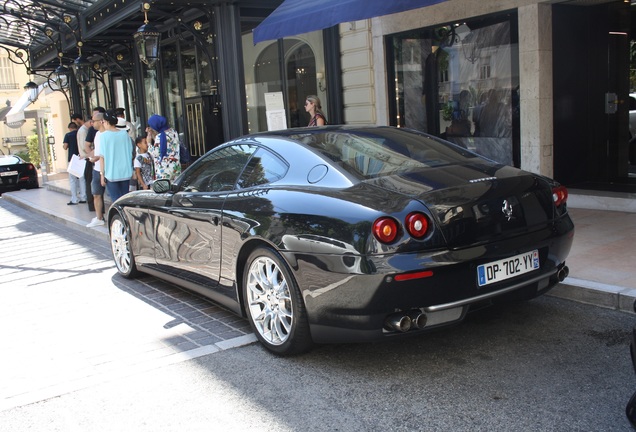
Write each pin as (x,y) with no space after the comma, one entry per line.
(48,31)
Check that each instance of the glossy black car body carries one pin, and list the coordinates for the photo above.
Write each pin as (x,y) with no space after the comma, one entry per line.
(345,234)
(15,173)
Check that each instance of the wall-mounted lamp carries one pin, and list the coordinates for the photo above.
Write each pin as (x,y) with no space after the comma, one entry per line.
(147,39)
(32,88)
(319,77)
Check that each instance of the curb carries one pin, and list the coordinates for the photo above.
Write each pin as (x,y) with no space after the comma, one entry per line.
(595,293)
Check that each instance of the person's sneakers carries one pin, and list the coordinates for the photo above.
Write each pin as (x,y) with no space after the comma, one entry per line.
(82,202)
(71,203)
(95,223)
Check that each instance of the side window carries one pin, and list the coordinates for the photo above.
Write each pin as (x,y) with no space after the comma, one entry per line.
(263,168)
(218,170)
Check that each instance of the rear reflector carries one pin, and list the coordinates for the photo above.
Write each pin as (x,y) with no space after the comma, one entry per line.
(417,275)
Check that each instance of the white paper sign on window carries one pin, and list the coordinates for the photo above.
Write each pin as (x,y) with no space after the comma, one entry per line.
(275,111)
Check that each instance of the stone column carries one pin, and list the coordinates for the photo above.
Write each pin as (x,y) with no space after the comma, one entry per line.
(535,81)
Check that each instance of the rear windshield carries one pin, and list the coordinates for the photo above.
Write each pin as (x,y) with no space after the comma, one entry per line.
(382,152)
(9,160)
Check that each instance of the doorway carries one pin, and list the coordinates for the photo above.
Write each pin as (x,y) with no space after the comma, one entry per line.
(592,86)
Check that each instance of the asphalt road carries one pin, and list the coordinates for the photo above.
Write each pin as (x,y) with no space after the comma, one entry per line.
(545,365)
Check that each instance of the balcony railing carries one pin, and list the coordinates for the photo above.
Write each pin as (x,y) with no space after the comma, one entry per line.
(13,86)
(14,140)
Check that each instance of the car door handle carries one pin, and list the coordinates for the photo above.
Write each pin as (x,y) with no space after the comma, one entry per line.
(185,202)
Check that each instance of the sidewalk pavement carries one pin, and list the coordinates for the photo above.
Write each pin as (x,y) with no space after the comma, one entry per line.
(602,261)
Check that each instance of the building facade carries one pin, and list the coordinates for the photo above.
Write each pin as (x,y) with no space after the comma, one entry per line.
(542,85)
(558,74)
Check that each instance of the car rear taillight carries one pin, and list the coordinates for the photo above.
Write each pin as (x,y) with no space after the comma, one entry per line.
(559,195)
(385,229)
(30,167)
(416,224)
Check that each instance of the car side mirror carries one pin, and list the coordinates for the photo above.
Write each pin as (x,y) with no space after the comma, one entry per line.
(161,186)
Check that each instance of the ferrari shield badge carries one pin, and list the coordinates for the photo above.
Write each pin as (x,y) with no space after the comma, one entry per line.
(506,209)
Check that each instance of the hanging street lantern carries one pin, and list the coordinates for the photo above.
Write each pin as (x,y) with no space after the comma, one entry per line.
(82,68)
(147,39)
(32,88)
(62,74)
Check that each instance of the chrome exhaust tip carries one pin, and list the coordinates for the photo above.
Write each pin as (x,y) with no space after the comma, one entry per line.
(418,318)
(563,273)
(398,322)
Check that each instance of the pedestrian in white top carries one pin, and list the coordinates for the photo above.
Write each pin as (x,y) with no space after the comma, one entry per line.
(96,185)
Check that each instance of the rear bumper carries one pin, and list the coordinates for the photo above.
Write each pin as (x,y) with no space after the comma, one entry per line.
(353,307)
(438,315)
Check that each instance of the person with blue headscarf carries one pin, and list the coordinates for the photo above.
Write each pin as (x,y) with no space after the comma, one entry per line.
(163,146)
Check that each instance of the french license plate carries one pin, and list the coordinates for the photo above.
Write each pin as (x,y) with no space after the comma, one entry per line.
(498,271)
(8,173)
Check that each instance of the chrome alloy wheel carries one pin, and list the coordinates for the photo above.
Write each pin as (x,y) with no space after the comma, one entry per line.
(120,246)
(269,300)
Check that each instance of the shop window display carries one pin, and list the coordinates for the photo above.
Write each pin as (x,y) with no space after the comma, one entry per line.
(460,82)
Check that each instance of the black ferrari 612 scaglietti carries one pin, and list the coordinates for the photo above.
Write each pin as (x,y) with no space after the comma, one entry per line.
(346,234)
(16,173)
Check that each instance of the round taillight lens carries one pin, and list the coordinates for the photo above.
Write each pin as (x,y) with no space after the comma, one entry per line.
(385,229)
(416,224)
(559,195)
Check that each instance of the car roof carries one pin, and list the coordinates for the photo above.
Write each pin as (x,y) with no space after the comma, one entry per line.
(317,130)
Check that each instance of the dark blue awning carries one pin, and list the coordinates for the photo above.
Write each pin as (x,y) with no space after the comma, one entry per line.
(295,17)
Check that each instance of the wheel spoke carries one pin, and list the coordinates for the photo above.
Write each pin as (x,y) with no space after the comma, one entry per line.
(284,323)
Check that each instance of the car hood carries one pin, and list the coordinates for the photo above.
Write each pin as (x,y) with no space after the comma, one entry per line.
(477,203)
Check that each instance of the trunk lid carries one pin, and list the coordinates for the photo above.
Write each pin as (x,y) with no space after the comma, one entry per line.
(478,203)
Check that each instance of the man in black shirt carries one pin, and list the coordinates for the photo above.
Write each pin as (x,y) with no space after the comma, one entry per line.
(82,132)
(88,147)
(70,144)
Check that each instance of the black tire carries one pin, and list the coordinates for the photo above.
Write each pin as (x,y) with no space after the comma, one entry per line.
(120,247)
(274,306)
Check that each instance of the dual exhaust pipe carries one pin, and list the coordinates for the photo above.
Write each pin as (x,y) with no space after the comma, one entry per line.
(405,321)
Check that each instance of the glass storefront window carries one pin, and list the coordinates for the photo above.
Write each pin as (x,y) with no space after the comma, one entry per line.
(98,94)
(124,91)
(171,72)
(208,80)
(293,77)
(460,82)
(153,101)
